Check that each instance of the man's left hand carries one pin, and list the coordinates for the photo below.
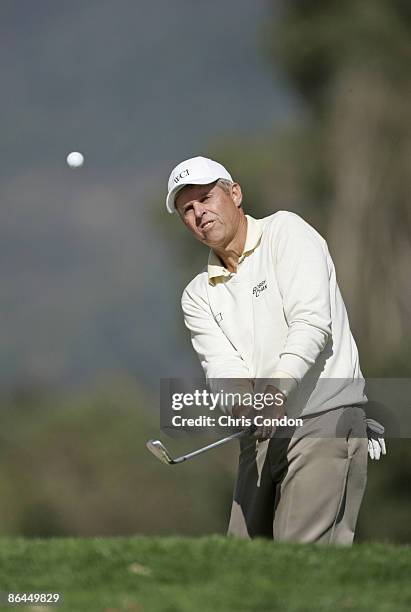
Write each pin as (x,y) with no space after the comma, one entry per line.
(376,443)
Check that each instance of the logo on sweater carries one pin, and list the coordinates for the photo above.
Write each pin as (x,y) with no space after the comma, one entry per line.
(259,288)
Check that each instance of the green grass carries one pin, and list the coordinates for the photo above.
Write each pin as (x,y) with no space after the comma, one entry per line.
(207,574)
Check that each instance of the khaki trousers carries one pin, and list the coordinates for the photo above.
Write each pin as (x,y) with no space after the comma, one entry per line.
(306,484)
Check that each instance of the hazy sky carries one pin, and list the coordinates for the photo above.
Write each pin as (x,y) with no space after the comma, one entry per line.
(131,82)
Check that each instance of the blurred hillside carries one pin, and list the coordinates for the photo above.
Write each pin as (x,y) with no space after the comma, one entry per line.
(76,464)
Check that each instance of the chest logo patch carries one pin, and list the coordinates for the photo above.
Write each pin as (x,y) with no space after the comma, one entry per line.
(259,288)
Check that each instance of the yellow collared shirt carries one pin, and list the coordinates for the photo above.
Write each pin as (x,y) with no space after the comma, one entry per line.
(216,271)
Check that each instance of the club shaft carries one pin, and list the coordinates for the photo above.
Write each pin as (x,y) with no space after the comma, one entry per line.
(204,449)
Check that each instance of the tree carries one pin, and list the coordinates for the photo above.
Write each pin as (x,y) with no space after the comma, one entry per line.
(349,61)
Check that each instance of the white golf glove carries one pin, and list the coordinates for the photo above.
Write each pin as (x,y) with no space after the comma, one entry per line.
(376,443)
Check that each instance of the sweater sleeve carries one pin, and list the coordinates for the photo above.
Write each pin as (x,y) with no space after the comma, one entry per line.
(301,258)
(218,357)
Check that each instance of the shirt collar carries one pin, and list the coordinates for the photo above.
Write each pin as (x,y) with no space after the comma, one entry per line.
(215,267)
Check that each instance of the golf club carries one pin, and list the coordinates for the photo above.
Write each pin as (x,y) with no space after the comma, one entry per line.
(159,450)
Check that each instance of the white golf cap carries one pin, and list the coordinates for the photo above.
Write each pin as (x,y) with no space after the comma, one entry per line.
(194,171)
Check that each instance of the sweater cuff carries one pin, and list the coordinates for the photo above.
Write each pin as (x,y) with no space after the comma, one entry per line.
(284,382)
(294,365)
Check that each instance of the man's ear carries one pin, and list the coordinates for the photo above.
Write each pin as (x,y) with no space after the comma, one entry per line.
(237,194)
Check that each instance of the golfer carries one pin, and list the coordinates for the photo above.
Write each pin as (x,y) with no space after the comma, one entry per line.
(267,313)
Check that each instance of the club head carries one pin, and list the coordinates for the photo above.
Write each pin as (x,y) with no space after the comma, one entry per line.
(159,450)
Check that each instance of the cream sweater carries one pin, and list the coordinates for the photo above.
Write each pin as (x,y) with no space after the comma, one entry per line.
(281,316)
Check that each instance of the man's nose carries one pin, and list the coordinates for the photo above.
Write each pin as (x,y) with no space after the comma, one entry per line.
(199,209)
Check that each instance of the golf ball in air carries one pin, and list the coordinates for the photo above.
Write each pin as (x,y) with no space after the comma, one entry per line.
(75,159)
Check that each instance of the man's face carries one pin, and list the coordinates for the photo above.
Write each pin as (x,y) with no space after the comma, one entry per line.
(210,213)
